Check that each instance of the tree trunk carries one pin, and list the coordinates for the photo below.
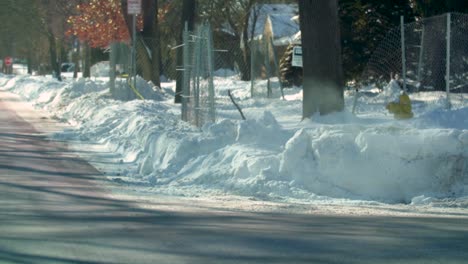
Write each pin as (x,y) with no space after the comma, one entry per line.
(245,69)
(156,49)
(323,77)
(29,59)
(53,55)
(62,53)
(188,15)
(242,61)
(143,60)
(147,44)
(76,59)
(87,61)
(151,38)
(112,68)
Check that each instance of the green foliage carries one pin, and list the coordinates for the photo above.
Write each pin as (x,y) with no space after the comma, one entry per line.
(427,8)
(364,23)
(20,24)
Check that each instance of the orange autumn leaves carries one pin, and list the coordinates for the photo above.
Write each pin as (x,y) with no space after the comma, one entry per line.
(99,23)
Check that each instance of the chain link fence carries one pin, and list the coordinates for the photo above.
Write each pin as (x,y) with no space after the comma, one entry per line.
(426,55)
(232,67)
(218,58)
(265,68)
(119,70)
(198,102)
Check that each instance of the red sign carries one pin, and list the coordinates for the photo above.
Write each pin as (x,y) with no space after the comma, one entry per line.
(8,61)
(134,7)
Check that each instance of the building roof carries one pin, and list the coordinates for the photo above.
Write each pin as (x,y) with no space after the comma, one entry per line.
(261,13)
(282,25)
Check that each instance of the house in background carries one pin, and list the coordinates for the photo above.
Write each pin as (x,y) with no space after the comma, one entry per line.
(259,15)
(280,31)
(281,28)
(290,65)
(272,28)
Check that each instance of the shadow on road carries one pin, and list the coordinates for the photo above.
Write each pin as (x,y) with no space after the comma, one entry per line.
(52,210)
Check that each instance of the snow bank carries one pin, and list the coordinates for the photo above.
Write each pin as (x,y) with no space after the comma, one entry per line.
(100,69)
(337,156)
(385,163)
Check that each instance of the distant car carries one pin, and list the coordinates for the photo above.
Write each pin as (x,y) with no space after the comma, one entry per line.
(67,67)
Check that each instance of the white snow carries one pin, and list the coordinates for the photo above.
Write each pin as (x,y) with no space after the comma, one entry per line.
(283,26)
(340,158)
(260,12)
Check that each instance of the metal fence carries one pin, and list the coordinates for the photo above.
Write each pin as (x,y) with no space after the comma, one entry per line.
(121,76)
(119,68)
(426,55)
(265,69)
(198,98)
(216,59)
(211,58)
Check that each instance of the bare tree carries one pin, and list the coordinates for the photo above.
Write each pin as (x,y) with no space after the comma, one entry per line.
(323,76)
(20,25)
(241,16)
(147,43)
(151,37)
(54,15)
(38,20)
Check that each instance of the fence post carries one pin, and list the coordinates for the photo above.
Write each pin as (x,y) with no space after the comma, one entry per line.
(112,68)
(355,101)
(186,76)
(134,71)
(421,54)
(197,73)
(403,52)
(447,72)
(209,36)
(275,60)
(252,63)
(266,61)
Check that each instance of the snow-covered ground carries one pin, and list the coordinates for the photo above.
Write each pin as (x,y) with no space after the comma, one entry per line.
(271,158)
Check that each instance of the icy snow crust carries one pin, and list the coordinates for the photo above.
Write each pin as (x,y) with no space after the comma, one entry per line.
(272,155)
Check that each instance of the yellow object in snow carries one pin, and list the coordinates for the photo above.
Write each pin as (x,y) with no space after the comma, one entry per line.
(402,108)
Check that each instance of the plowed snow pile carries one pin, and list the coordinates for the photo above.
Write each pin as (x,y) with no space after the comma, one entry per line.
(273,155)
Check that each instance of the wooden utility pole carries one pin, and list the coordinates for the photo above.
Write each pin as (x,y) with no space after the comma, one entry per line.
(323,74)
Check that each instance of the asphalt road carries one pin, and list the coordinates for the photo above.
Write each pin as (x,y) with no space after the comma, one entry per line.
(53,209)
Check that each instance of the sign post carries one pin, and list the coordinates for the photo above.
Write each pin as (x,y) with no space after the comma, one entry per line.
(134,9)
(8,61)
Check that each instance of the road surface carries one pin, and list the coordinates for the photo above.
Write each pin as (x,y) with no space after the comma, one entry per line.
(54,209)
